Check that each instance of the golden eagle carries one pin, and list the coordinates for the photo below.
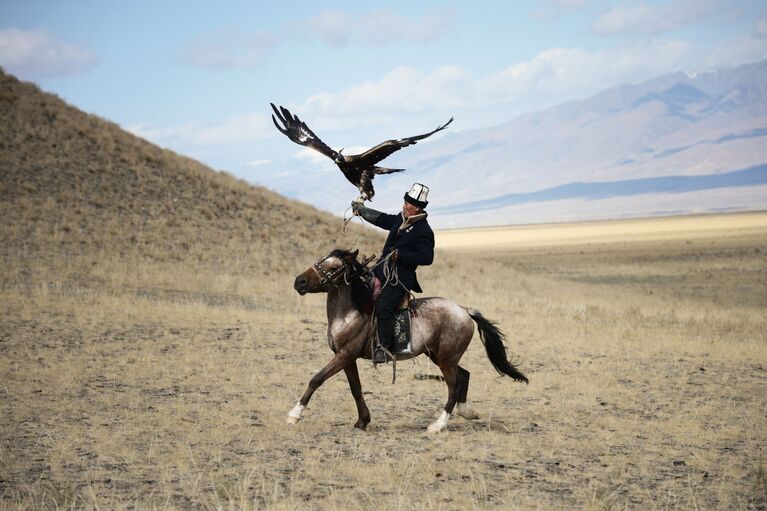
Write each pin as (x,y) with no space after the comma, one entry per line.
(359,169)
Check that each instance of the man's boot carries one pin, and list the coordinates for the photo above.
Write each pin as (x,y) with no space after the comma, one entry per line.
(385,334)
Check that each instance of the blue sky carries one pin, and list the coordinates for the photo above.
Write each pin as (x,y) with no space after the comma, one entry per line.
(197,77)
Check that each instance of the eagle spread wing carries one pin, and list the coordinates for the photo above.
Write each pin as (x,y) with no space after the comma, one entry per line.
(297,131)
(384,149)
(359,169)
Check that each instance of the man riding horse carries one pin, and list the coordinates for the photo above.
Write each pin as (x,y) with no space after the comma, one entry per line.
(410,244)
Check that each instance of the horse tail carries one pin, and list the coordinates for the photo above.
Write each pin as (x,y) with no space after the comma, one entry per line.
(492,339)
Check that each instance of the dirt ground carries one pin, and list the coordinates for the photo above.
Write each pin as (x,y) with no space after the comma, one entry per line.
(647,362)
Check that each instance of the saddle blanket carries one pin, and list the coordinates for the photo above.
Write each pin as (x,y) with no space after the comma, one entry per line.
(402,342)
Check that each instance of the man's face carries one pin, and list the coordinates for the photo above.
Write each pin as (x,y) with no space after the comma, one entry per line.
(410,210)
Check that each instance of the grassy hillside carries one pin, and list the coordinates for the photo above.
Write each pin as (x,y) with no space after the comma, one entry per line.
(76,192)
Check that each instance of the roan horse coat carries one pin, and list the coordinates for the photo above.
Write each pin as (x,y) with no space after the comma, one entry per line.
(441,329)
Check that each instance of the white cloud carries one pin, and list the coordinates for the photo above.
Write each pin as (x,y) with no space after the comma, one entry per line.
(567,4)
(332,27)
(312,156)
(258,163)
(404,89)
(232,49)
(315,160)
(568,73)
(36,54)
(735,51)
(553,9)
(384,27)
(377,27)
(233,130)
(552,76)
(649,18)
(761,27)
(228,50)
(741,49)
(573,4)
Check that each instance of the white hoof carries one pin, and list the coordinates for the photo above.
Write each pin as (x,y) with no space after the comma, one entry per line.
(434,428)
(465,411)
(440,424)
(295,414)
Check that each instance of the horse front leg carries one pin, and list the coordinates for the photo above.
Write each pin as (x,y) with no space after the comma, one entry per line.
(363,414)
(337,363)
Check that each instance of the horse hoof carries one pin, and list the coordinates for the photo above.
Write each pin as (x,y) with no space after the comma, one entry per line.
(434,429)
(294,415)
(439,424)
(468,413)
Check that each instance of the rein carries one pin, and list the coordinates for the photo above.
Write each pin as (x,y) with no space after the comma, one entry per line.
(389,271)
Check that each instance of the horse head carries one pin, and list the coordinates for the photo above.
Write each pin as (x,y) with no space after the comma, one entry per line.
(334,269)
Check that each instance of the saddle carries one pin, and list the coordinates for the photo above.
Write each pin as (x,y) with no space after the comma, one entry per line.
(402,340)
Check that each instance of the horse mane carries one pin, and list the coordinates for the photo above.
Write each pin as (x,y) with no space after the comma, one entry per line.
(361,289)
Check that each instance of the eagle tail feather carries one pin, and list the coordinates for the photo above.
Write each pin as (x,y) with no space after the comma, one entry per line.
(384,170)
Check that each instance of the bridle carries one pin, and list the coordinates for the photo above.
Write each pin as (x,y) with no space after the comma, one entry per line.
(332,277)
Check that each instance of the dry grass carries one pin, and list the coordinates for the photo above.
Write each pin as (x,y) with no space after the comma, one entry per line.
(647,389)
(655,230)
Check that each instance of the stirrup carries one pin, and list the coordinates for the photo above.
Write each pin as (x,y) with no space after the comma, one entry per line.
(380,355)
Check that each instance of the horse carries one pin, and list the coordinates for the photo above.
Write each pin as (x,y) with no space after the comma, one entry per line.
(440,329)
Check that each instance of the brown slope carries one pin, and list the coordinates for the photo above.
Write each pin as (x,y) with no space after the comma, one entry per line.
(74,185)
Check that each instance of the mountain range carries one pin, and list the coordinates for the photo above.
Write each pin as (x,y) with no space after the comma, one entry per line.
(674,144)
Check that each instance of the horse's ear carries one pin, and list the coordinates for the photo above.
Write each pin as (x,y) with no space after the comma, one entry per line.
(355,253)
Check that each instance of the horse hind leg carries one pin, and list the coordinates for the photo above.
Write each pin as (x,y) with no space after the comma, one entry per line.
(463,408)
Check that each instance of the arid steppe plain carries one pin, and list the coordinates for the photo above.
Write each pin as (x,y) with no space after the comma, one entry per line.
(151,346)
(166,385)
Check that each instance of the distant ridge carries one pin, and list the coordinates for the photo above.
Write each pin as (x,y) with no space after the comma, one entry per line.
(756,175)
(634,140)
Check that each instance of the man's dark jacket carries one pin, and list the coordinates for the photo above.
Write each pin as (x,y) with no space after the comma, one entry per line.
(414,244)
